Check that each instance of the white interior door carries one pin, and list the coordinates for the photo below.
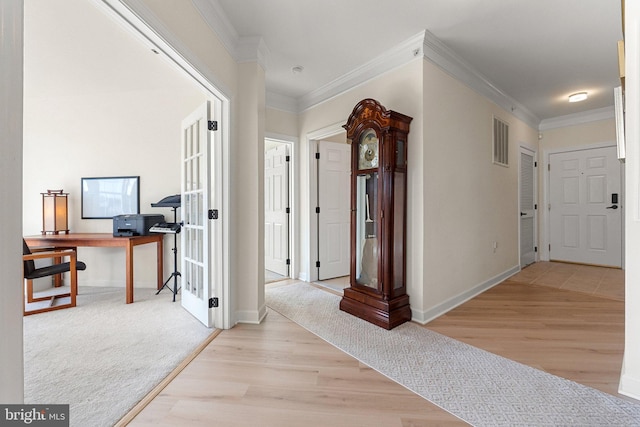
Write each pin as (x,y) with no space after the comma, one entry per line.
(195,234)
(334,169)
(527,208)
(276,207)
(585,201)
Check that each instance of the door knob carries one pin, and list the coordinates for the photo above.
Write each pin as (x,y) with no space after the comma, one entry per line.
(612,207)
(522,214)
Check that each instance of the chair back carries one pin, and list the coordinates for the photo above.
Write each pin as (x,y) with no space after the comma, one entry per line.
(29,265)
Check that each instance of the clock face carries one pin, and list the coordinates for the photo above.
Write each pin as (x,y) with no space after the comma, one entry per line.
(368,156)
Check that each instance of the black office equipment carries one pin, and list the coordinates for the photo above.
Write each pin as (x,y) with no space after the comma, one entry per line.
(174,227)
(134,224)
(165,227)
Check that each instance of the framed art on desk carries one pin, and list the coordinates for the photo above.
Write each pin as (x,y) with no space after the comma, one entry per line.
(107,197)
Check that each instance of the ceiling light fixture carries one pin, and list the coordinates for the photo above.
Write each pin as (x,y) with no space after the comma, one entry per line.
(577,97)
(297,69)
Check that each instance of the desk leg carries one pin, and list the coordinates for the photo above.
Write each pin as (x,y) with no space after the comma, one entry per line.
(160,256)
(129,272)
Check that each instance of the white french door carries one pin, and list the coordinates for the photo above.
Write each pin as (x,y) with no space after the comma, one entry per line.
(276,206)
(196,280)
(586,207)
(334,191)
(528,206)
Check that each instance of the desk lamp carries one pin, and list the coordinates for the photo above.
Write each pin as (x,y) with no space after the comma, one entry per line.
(55,212)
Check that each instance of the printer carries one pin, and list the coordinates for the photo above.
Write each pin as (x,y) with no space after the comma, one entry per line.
(135,224)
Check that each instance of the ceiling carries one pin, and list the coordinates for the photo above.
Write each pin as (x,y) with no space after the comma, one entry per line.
(535,51)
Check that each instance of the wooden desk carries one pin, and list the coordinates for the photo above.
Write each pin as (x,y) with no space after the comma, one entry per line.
(75,240)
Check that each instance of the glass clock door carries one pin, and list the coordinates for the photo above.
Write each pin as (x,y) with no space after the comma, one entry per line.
(367,247)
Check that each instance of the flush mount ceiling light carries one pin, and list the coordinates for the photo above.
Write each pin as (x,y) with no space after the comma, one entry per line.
(297,69)
(577,97)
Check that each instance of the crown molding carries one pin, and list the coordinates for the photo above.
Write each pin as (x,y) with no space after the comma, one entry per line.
(428,46)
(217,20)
(391,59)
(252,49)
(604,113)
(242,49)
(436,52)
(423,44)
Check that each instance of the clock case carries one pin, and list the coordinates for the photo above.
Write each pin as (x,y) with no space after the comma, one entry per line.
(377,291)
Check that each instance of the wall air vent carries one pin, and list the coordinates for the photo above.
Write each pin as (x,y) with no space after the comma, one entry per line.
(500,142)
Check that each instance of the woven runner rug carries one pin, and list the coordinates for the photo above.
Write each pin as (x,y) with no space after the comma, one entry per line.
(479,387)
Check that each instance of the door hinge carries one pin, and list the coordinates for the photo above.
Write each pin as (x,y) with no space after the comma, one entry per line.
(317,155)
(213,302)
(318,264)
(318,209)
(535,207)
(535,164)
(535,249)
(288,261)
(213,213)
(212,125)
(287,159)
(548,166)
(288,210)
(549,247)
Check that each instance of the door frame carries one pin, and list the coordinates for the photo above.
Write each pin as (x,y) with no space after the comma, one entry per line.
(144,25)
(291,142)
(545,225)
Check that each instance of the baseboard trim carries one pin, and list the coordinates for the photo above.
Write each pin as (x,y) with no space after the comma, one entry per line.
(629,385)
(425,316)
(252,317)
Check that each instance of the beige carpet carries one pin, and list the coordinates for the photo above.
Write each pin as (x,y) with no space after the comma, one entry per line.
(103,356)
(477,386)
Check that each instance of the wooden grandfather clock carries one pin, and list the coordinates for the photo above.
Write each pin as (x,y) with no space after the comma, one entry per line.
(377,291)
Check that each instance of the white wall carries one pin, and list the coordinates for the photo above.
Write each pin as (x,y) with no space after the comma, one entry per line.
(578,135)
(630,380)
(469,202)
(281,122)
(99,104)
(11,76)
(248,178)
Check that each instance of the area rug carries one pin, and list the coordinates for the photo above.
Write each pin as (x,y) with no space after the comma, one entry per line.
(479,387)
(103,356)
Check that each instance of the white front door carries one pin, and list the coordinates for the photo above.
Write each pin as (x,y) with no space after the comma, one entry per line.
(528,206)
(334,190)
(586,207)
(196,282)
(276,208)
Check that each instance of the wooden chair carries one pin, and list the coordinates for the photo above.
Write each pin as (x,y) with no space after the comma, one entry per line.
(58,296)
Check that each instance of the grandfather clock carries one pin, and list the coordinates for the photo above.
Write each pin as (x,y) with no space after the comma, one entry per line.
(377,291)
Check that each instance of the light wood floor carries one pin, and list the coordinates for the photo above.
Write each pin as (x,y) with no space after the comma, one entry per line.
(278,374)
